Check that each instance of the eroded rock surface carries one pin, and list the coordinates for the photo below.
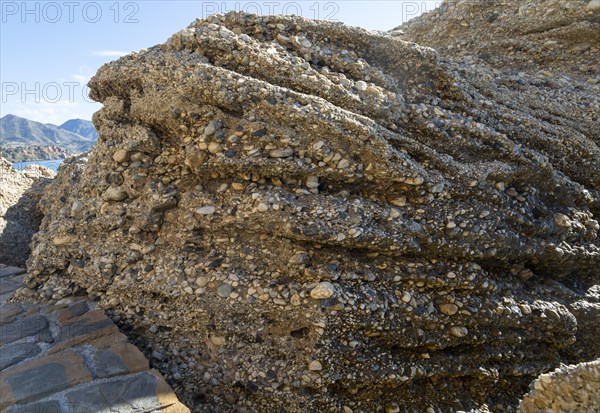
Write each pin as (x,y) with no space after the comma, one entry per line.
(567,389)
(19,215)
(560,36)
(300,216)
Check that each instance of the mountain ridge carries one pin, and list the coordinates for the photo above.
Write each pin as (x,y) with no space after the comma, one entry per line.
(24,139)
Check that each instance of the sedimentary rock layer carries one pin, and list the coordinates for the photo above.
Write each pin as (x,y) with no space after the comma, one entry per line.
(301,216)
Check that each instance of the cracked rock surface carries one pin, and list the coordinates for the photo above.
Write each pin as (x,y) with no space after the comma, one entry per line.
(302,216)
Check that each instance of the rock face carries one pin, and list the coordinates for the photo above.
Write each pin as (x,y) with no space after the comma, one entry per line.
(567,389)
(299,216)
(555,35)
(19,215)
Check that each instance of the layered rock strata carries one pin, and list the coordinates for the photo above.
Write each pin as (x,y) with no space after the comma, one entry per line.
(20,192)
(295,215)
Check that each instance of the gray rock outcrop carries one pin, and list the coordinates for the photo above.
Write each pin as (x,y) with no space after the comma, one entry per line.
(300,216)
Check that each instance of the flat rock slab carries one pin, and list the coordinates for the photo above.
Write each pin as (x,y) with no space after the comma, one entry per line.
(70,357)
(6,271)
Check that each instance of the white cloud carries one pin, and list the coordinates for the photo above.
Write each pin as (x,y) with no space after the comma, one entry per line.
(110,53)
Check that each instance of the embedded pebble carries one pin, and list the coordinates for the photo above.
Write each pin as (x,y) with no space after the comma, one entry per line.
(322,291)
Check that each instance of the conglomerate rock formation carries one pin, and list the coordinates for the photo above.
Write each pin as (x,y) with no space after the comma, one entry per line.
(567,389)
(548,35)
(300,216)
(19,214)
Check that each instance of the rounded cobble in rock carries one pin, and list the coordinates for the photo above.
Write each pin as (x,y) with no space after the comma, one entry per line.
(115,193)
(315,365)
(121,155)
(281,153)
(224,290)
(322,290)
(206,210)
(449,309)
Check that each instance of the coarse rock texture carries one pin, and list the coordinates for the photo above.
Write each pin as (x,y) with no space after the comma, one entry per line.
(19,214)
(567,389)
(299,216)
(561,36)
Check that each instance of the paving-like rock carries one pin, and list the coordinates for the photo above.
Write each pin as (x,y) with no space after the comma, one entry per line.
(71,358)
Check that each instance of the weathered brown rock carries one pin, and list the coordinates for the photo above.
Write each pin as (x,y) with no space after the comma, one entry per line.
(19,215)
(318,218)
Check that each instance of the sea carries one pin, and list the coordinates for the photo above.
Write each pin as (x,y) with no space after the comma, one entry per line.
(51,164)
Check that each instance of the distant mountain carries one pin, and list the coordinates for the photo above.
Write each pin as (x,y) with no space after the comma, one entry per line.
(81,127)
(20,131)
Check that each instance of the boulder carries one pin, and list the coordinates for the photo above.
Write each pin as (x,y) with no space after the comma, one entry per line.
(314,217)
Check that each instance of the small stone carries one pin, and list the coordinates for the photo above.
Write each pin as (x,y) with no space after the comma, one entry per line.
(343,164)
(206,210)
(281,153)
(593,224)
(437,188)
(157,355)
(500,186)
(217,340)
(562,220)
(201,281)
(361,85)
(401,201)
(459,331)
(406,297)
(224,290)
(315,365)
(120,156)
(212,127)
(214,147)
(322,290)
(281,39)
(64,240)
(237,186)
(299,258)
(448,309)
(76,208)
(262,207)
(115,193)
(373,91)
(392,408)
(312,182)
(525,274)
(414,180)
(295,300)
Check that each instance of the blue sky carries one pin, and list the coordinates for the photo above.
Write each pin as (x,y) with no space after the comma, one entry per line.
(50,49)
